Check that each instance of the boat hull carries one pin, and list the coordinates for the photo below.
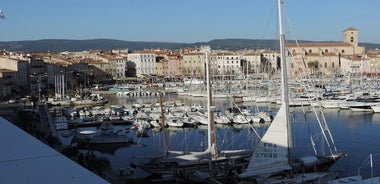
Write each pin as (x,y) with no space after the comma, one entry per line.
(103,139)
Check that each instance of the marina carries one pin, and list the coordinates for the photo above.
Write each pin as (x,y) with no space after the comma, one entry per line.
(266,138)
(356,133)
(222,97)
(236,130)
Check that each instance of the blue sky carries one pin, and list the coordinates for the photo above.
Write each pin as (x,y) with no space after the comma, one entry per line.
(187,21)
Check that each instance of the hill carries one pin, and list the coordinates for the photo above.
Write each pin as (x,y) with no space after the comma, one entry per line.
(60,45)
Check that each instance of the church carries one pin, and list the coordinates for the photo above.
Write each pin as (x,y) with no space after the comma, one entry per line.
(330,58)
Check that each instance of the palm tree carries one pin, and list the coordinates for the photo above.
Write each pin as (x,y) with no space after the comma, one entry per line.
(313,66)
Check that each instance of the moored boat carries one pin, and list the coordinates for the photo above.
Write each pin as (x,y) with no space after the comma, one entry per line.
(105,134)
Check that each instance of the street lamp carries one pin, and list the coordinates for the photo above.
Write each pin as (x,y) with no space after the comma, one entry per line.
(39,77)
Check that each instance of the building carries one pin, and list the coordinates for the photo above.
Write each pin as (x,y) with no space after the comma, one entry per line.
(323,57)
(6,82)
(228,64)
(193,64)
(117,67)
(174,64)
(140,64)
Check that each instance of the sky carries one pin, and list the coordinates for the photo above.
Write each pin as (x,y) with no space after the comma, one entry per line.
(187,21)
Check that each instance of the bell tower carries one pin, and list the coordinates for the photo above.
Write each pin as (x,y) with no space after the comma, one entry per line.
(351,36)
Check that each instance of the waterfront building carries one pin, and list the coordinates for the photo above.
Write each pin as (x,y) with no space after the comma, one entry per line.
(21,76)
(140,64)
(253,61)
(374,56)
(174,65)
(193,64)
(38,75)
(161,66)
(6,82)
(228,64)
(357,65)
(323,57)
(269,62)
(117,66)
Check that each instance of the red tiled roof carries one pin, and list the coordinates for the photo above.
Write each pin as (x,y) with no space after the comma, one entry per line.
(350,29)
(321,44)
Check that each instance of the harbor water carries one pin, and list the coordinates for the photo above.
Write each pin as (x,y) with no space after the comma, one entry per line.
(355,133)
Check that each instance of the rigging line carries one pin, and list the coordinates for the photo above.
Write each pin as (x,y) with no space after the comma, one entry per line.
(310,134)
(267,25)
(254,130)
(323,128)
(172,140)
(227,140)
(295,39)
(307,72)
(235,139)
(325,125)
(327,128)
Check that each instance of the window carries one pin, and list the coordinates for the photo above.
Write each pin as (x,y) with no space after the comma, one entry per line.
(310,51)
(325,65)
(342,51)
(333,65)
(327,50)
(352,39)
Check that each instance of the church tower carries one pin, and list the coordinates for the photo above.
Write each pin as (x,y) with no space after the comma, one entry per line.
(351,36)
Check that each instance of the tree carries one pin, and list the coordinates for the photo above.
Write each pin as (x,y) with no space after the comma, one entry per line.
(313,66)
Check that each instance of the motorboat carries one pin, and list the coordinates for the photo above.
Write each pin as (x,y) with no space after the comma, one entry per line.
(105,134)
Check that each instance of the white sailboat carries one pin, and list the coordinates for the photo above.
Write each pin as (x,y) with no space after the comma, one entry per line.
(273,154)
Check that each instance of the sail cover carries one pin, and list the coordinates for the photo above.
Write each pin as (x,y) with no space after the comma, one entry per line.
(271,153)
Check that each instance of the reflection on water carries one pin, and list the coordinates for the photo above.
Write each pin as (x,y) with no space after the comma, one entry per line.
(355,133)
(376,118)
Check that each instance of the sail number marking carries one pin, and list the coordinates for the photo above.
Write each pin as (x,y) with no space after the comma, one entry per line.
(269,151)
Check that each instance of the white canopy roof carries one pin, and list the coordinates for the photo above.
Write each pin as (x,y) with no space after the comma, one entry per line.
(24,159)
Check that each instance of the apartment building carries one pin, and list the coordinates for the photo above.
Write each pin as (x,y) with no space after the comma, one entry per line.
(6,83)
(117,66)
(193,64)
(140,64)
(228,64)
(174,65)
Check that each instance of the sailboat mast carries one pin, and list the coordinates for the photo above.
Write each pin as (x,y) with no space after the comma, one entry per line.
(163,125)
(210,110)
(284,78)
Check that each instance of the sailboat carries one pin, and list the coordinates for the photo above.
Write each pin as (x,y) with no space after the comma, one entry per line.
(179,163)
(272,159)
